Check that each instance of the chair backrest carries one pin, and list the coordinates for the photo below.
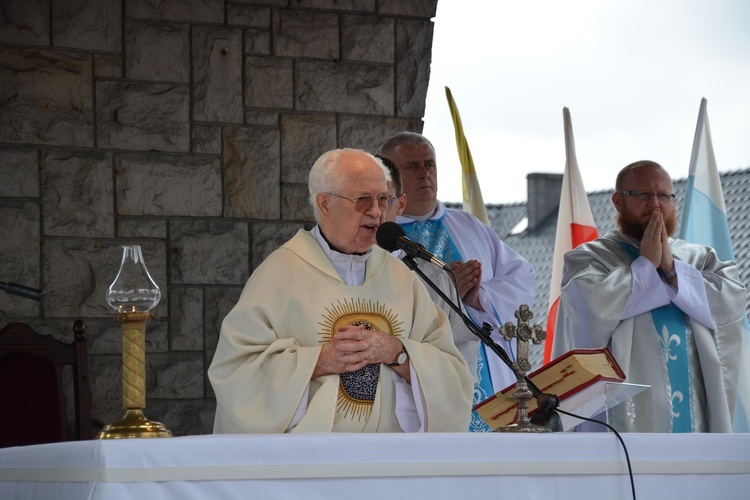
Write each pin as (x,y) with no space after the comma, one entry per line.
(31,386)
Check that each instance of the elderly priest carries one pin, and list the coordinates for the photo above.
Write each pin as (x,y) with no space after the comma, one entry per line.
(332,333)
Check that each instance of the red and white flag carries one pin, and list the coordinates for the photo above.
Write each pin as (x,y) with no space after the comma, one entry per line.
(575,225)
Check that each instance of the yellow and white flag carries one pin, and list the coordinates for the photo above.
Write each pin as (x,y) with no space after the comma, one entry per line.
(473,202)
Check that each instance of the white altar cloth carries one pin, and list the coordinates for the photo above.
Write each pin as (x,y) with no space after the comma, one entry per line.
(376,466)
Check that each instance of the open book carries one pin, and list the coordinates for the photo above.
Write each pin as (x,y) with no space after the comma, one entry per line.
(564,377)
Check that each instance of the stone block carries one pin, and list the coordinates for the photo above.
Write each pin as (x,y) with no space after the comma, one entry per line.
(344,87)
(251,173)
(157,51)
(295,203)
(269,237)
(207,139)
(413,58)
(24,22)
(46,97)
(369,133)
(258,42)
(174,375)
(303,139)
(248,15)
(262,118)
(298,33)
(217,74)
(184,418)
(19,172)
(209,253)
(165,185)
(141,228)
(108,65)
(104,336)
(417,8)
(86,24)
(198,11)
(143,116)
(77,195)
(270,3)
(342,5)
(269,83)
(78,273)
(186,319)
(19,254)
(367,38)
(106,388)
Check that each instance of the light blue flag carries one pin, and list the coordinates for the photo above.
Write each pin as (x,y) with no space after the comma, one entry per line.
(704,221)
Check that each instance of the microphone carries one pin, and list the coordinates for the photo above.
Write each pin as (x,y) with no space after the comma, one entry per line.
(23,291)
(390,236)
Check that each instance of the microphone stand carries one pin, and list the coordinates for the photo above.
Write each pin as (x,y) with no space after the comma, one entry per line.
(546,403)
(23,291)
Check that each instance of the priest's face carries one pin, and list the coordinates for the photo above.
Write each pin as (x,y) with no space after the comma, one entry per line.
(351,217)
(644,191)
(418,170)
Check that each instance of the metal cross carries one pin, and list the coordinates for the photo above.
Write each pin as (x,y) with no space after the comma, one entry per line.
(523,332)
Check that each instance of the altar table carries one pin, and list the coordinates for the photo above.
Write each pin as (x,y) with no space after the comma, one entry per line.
(383,466)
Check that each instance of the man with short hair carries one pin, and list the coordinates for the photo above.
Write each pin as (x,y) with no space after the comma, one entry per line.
(493,279)
(334,334)
(670,311)
(466,342)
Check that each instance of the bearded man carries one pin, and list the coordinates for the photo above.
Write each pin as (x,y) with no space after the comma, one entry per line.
(670,311)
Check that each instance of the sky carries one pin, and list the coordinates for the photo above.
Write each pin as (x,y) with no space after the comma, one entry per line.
(632,73)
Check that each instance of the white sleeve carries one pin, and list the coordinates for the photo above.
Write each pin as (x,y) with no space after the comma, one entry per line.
(409,402)
(301,410)
(648,291)
(690,295)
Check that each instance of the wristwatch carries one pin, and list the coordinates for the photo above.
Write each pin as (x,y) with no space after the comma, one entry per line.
(671,274)
(402,358)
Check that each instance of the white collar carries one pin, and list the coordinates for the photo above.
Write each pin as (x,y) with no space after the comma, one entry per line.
(435,213)
(351,268)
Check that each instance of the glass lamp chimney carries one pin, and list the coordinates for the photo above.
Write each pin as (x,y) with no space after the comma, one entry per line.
(133,290)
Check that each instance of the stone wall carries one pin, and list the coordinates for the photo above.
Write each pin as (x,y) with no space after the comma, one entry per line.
(188,127)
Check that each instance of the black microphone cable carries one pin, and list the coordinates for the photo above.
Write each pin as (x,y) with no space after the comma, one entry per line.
(622,442)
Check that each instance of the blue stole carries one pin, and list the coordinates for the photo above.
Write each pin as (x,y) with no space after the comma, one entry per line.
(672,331)
(434,236)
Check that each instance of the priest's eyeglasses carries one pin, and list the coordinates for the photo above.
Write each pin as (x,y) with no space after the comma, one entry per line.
(363,203)
(645,196)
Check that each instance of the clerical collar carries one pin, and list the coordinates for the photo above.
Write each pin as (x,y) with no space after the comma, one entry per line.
(350,268)
(330,245)
(434,213)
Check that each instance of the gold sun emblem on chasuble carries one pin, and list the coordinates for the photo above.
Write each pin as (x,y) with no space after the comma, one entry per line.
(357,389)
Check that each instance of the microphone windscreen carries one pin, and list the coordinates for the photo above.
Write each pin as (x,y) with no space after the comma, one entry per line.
(387,234)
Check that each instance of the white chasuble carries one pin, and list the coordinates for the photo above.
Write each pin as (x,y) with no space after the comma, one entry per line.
(292,304)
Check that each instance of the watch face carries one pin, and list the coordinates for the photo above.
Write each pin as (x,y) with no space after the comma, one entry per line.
(402,357)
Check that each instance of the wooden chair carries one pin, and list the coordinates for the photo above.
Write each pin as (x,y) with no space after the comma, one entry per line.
(31,386)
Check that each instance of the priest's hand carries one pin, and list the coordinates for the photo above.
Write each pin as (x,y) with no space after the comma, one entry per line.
(651,242)
(667,261)
(354,347)
(469,277)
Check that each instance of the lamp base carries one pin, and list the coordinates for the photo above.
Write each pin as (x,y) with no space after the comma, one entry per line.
(527,428)
(134,425)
